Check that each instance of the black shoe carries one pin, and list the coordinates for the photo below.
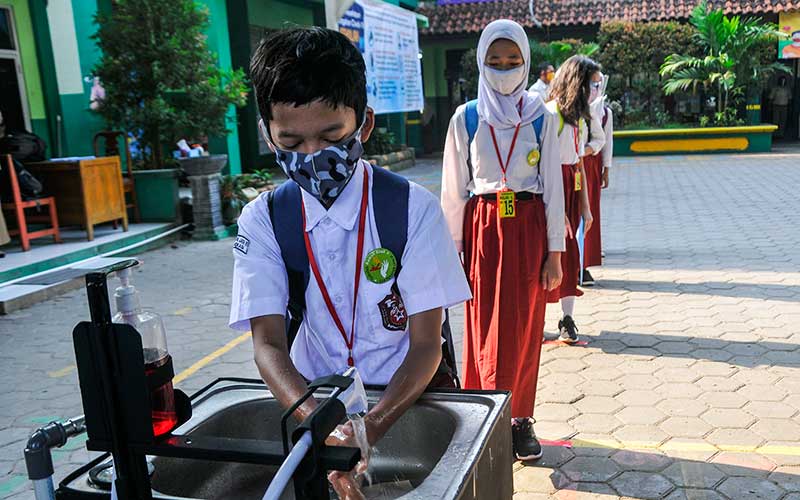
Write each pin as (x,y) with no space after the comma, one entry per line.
(568,331)
(588,280)
(526,446)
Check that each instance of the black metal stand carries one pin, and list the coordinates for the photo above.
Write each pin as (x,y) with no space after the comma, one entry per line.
(116,401)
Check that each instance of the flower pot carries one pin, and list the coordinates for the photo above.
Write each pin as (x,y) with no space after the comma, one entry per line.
(230,212)
(157,194)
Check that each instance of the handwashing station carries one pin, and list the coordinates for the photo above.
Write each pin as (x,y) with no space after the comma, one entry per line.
(233,440)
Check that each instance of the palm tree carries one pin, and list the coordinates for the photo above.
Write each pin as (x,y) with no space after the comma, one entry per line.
(731,64)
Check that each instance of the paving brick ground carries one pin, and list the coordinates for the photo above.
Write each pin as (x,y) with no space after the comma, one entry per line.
(688,388)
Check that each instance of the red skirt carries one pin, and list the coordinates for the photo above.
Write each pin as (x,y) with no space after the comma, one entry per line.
(592,243)
(571,258)
(505,319)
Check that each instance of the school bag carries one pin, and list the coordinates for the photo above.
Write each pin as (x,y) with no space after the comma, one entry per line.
(471,122)
(390,206)
(23,147)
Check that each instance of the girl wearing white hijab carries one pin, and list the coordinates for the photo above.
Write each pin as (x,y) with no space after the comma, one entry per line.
(503,199)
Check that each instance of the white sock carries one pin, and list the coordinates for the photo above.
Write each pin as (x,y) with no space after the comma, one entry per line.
(568,305)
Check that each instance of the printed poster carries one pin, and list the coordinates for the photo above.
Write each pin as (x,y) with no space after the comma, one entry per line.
(387,37)
(789,23)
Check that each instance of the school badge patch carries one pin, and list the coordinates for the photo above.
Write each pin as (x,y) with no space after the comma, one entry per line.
(241,244)
(393,313)
(380,265)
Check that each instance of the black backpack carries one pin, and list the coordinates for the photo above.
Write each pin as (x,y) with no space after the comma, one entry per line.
(23,147)
(390,197)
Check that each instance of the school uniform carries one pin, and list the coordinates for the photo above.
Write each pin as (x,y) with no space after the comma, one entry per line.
(572,142)
(431,277)
(504,257)
(594,165)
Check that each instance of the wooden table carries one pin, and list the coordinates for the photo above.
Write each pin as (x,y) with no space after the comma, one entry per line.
(87,191)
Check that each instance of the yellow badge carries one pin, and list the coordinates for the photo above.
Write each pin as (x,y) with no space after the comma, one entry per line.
(578,180)
(533,157)
(506,204)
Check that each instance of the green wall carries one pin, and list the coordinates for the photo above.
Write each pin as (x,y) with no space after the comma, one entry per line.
(30,64)
(219,43)
(79,123)
(276,14)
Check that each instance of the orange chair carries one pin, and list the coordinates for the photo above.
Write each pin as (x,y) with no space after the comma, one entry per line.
(18,206)
(111,138)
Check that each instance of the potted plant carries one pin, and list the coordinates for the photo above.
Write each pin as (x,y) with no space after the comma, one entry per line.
(161,84)
(230,191)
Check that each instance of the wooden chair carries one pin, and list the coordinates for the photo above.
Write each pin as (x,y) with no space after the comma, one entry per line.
(18,207)
(111,140)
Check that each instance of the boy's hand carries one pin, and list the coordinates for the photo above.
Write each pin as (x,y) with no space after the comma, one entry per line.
(346,484)
(588,150)
(605,177)
(551,272)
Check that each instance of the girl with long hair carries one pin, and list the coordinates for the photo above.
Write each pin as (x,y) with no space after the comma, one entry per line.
(570,96)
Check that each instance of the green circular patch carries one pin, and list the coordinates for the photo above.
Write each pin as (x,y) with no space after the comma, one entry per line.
(380,265)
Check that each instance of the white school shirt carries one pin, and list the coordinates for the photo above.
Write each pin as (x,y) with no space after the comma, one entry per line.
(566,139)
(487,175)
(608,149)
(541,89)
(432,276)
(597,139)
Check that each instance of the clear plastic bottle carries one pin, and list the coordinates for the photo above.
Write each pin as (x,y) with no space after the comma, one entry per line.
(154,343)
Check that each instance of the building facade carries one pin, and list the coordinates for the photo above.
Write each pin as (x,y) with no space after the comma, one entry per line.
(47,58)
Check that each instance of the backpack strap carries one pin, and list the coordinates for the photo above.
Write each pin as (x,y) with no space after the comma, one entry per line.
(537,129)
(605,116)
(286,215)
(471,122)
(390,207)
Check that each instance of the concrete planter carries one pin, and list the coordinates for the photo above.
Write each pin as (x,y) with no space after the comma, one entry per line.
(750,139)
(157,194)
(398,160)
(204,178)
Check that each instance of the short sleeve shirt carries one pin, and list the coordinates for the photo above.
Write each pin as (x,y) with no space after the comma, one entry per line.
(432,276)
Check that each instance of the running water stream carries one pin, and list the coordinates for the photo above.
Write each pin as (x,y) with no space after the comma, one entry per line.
(356,406)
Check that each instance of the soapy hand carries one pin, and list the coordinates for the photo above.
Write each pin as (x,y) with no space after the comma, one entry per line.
(347,484)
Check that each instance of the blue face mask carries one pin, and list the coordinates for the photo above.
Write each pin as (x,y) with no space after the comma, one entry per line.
(325,173)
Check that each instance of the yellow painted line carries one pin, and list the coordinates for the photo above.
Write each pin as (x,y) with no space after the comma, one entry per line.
(183,312)
(711,144)
(62,372)
(211,357)
(695,131)
(793,451)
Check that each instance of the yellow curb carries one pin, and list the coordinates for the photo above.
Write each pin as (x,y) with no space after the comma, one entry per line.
(697,447)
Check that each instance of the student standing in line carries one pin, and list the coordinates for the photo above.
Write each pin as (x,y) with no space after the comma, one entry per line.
(503,199)
(597,169)
(570,93)
(542,85)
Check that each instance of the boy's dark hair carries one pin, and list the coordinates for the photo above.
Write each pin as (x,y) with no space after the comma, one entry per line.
(301,65)
(570,89)
(543,67)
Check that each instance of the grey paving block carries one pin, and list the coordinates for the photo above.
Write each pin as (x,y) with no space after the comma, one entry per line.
(644,485)
(746,487)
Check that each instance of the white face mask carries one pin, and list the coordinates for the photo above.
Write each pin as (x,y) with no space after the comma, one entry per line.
(504,81)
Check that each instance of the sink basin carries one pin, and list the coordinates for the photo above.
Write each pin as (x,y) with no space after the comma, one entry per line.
(448,445)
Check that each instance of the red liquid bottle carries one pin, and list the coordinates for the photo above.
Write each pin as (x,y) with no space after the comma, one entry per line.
(156,355)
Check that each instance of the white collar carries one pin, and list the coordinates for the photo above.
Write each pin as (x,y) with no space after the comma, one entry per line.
(345,208)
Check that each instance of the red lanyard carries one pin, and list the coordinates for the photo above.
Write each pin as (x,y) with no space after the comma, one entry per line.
(362,219)
(575,134)
(504,166)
